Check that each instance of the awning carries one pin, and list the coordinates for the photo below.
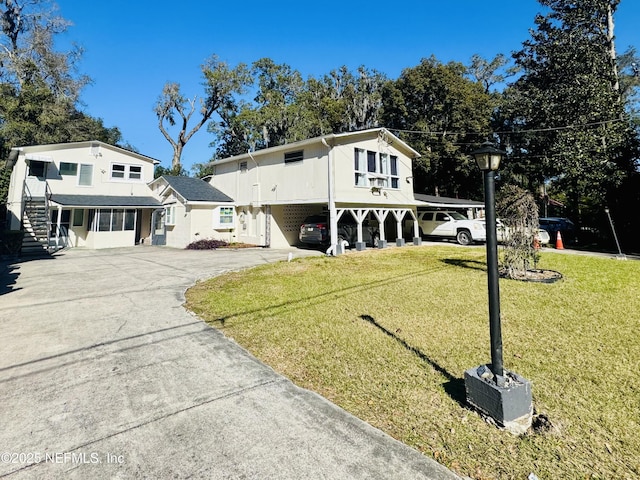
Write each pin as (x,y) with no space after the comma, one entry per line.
(38,158)
(104,201)
(445,202)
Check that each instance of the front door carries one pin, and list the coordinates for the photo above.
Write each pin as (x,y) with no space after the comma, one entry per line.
(158,230)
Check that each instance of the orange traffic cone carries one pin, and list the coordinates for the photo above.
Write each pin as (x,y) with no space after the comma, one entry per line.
(559,245)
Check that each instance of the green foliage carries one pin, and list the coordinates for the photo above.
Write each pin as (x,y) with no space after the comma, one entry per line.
(518,213)
(38,85)
(174,171)
(569,104)
(287,109)
(446,114)
(10,241)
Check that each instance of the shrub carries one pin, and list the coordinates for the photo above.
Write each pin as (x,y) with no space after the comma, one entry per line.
(207,244)
(10,241)
(518,212)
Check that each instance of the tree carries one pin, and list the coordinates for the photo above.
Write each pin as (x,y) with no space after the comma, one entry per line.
(39,86)
(287,109)
(220,83)
(567,111)
(443,115)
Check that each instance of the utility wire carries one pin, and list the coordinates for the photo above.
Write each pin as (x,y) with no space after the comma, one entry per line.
(504,132)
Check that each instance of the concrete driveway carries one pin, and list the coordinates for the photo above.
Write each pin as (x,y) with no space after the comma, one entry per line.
(103,374)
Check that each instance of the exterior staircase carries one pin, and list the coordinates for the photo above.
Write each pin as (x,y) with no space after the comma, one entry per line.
(35,223)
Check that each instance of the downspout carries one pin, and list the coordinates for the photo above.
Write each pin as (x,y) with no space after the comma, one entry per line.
(333,216)
(267,210)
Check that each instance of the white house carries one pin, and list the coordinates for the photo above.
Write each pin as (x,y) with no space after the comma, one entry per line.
(88,194)
(193,210)
(366,174)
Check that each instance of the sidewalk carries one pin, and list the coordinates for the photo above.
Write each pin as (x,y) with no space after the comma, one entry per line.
(105,375)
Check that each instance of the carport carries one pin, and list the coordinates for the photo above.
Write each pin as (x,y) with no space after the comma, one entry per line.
(472,207)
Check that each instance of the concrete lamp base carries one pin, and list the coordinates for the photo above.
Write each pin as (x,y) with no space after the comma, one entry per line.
(508,402)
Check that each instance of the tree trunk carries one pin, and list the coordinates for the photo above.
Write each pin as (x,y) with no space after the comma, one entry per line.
(612,47)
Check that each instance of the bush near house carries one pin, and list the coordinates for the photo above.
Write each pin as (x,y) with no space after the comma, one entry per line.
(207,244)
(10,242)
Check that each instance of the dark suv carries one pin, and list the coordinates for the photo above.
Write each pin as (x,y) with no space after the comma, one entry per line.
(315,231)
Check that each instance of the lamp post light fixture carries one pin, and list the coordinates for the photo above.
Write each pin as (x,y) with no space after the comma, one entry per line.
(505,396)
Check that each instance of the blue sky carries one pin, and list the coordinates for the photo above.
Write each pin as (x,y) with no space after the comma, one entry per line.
(133,47)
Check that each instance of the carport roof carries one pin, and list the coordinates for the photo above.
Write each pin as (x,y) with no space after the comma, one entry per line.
(445,202)
(104,201)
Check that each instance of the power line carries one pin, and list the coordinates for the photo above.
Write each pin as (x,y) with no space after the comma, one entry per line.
(505,132)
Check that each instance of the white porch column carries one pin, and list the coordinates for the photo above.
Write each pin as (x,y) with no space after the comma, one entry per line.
(381,215)
(399,216)
(360,215)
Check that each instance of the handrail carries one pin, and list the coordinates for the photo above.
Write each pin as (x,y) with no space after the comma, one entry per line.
(47,197)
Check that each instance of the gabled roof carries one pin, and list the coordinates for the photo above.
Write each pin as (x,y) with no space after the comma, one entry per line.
(332,140)
(195,190)
(86,144)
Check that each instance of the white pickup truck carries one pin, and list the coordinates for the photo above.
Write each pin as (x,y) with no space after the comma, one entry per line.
(450,224)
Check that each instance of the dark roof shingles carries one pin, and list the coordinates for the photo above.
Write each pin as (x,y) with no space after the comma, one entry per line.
(196,190)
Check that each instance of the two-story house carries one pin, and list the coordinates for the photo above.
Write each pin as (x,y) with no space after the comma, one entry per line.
(365,174)
(87,194)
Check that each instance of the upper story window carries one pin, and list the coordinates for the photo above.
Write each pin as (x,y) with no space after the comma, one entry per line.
(243,166)
(296,156)
(86,175)
(67,168)
(373,169)
(121,171)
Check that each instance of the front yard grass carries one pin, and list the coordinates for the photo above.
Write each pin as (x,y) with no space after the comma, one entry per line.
(387,335)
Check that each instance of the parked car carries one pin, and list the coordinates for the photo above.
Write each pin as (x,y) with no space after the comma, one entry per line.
(315,231)
(450,224)
(553,225)
(503,234)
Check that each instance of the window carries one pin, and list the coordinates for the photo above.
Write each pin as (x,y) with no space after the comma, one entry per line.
(86,175)
(395,178)
(375,169)
(78,217)
(129,219)
(243,167)
(68,168)
(226,216)
(371,162)
(117,220)
(360,169)
(296,156)
(104,220)
(135,172)
(126,172)
(170,215)
(117,171)
(37,168)
(111,220)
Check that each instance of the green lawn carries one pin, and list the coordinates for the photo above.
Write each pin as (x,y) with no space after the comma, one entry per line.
(387,335)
